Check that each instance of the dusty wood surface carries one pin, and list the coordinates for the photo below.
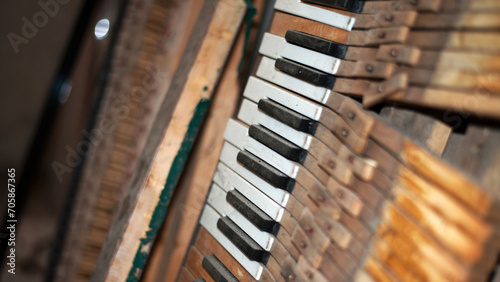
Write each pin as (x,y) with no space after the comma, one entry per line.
(143,64)
(131,233)
(192,189)
(426,131)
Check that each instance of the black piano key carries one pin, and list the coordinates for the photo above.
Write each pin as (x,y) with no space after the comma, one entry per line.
(288,117)
(253,213)
(199,280)
(217,270)
(279,144)
(305,73)
(317,44)
(242,241)
(266,171)
(354,6)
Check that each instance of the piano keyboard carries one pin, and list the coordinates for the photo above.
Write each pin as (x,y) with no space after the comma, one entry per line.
(312,187)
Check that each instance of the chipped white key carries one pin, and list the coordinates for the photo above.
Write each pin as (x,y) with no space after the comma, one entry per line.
(257,89)
(228,157)
(250,114)
(229,180)
(237,134)
(217,199)
(208,220)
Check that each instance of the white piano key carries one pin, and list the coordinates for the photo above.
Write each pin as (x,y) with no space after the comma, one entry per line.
(267,72)
(276,47)
(237,134)
(257,89)
(217,199)
(296,7)
(228,157)
(249,113)
(229,180)
(208,220)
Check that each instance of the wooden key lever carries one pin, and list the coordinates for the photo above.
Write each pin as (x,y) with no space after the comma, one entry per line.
(377,92)
(427,97)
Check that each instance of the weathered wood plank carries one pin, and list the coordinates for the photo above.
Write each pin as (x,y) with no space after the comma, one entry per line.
(421,129)
(142,66)
(187,201)
(142,211)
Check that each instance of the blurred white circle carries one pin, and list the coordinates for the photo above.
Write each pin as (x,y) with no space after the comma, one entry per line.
(101,28)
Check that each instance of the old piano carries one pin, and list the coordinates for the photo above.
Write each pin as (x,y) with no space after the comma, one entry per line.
(362,146)
(312,185)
